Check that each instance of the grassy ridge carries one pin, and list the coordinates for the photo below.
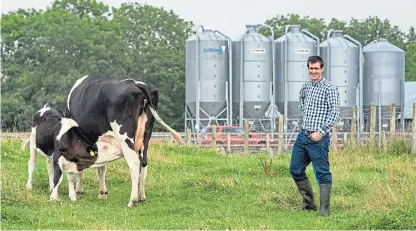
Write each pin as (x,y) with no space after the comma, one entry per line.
(192,188)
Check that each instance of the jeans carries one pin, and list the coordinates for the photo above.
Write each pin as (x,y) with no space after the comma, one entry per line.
(306,150)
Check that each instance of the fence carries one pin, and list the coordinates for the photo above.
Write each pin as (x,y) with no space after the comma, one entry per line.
(281,141)
(379,124)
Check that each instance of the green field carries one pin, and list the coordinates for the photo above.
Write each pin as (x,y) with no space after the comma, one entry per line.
(193,188)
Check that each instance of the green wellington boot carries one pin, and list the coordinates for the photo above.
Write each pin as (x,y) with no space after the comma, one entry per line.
(305,189)
(325,195)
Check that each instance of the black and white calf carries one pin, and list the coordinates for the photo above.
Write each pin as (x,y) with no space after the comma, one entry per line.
(42,141)
(67,149)
(123,113)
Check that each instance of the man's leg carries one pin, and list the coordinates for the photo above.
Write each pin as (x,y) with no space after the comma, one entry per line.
(298,163)
(319,155)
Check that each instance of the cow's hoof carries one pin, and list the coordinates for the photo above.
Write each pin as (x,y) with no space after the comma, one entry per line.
(132,203)
(73,198)
(102,195)
(142,197)
(54,196)
(29,187)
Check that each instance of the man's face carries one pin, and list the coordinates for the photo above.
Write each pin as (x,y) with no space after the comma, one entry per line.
(315,71)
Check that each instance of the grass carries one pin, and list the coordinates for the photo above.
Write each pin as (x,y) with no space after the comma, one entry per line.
(193,188)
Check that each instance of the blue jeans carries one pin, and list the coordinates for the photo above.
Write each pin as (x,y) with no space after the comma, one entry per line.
(306,150)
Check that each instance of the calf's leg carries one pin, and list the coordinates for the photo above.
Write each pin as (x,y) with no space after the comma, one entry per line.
(79,189)
(49,164)
(102,194)
(71,189)
(56,181)
(32,160)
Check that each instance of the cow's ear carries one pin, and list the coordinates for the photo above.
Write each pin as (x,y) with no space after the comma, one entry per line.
(68,114)
(92,150)
(60,113)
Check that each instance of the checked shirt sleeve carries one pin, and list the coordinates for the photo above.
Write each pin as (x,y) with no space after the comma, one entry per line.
(333,103)
(302,98)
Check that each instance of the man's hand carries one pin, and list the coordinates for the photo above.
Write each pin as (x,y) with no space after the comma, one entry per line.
(315,136)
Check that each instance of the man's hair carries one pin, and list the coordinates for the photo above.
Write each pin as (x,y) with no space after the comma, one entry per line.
(315,59)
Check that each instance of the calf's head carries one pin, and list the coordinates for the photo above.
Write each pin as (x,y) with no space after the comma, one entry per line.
(72,144)
(75,147)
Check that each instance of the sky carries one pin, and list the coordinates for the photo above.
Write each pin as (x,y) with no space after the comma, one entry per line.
(231,16)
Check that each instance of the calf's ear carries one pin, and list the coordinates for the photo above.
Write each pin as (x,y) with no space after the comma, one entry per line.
(92,150)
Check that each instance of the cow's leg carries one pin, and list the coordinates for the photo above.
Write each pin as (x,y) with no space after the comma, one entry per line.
(32,159)
(49,164)
(79,189)
(57,179)
(134,165)
(142,179)
(143,167)
(102,194)
(71,189)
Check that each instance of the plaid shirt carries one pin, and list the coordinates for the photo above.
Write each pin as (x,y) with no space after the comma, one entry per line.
(319,104)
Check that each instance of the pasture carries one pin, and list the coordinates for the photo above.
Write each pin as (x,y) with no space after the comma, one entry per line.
(192,188)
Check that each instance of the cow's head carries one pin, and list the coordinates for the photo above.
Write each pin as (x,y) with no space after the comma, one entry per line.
(73,145)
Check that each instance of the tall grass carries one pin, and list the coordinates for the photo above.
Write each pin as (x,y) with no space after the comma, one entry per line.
(193,188)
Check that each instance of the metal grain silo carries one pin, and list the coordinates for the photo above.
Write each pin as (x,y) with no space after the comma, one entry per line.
(384,76)
(252,75)
(342,57)
(208,73)
(292,52)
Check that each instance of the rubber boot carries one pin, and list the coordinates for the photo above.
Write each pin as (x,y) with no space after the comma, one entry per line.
(325,195)
(305,189)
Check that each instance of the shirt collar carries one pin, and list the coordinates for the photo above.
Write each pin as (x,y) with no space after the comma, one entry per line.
(319,82)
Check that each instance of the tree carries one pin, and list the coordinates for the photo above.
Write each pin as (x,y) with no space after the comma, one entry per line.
(45,52)
(83,8)
(337,24)
(157,39)
(372,28)
(411,37)
(313,25)
(411,62)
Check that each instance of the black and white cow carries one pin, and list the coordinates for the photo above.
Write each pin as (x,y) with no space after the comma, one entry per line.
(61,141)
(122,112)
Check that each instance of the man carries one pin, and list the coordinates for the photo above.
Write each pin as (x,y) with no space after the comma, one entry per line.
(319,104)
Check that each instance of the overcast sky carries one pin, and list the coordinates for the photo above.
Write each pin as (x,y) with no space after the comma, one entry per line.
(231,16)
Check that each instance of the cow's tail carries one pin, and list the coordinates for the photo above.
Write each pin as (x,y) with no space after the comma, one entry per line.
(145,88)
(175,134)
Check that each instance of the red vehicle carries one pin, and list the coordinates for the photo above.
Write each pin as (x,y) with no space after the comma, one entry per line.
(236,136)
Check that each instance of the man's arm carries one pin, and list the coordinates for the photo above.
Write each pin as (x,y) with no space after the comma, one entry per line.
(302,98)
(332,96)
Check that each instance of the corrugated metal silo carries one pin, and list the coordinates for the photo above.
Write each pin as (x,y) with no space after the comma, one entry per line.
(252,74)
(384,76)
(343,68)
(207,75)
(291,67)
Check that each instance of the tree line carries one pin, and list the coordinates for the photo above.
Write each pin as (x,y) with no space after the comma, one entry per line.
(45,51)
